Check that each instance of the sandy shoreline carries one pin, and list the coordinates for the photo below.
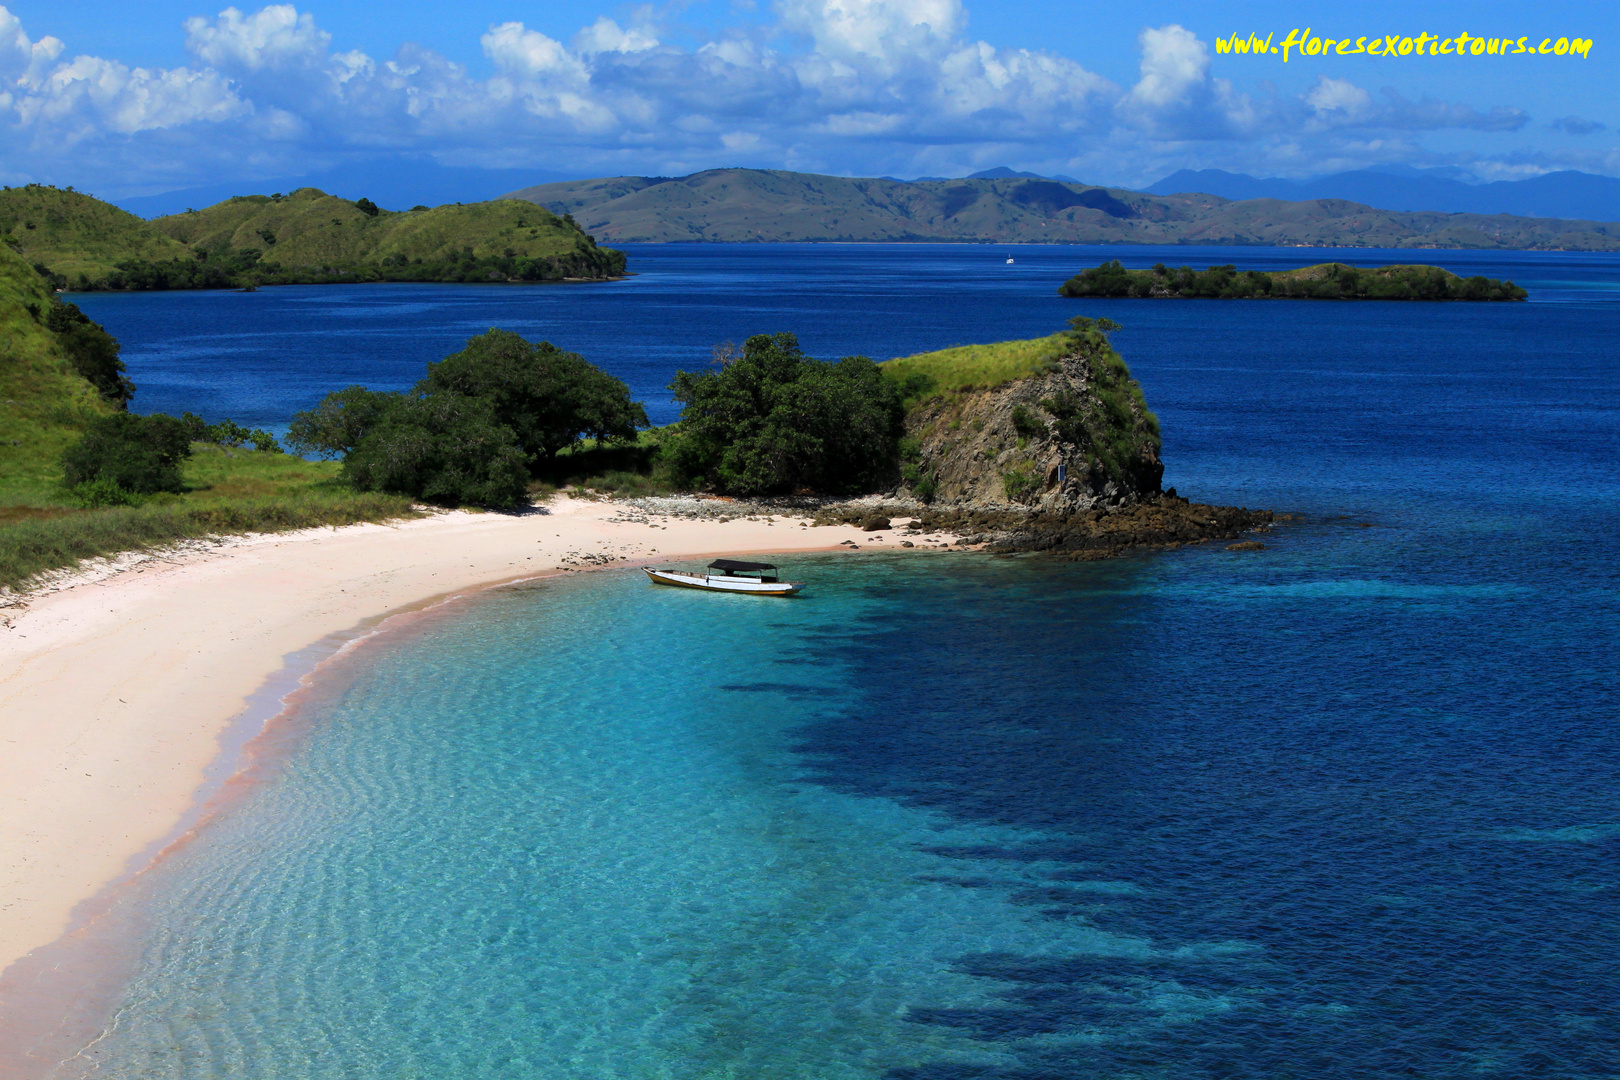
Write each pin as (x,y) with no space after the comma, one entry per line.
(117,694)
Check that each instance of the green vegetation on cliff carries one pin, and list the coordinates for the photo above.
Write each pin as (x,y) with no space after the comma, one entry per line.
(1056,421)
(1326,281)
(307,237)
(44,402)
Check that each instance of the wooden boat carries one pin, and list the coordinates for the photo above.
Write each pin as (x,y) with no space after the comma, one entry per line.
(735,576)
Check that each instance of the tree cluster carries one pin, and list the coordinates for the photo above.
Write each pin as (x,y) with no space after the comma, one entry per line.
(249,267)
(476,426)
(1333,281)
(771,420)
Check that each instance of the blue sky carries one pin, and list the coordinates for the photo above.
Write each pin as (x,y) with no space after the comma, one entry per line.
(130,99)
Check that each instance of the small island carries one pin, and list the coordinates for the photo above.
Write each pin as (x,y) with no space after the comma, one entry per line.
(1325,281)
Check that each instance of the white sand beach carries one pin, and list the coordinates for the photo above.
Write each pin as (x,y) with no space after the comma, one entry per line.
(115,692)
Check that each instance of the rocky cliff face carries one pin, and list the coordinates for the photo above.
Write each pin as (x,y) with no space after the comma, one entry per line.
(1077,436)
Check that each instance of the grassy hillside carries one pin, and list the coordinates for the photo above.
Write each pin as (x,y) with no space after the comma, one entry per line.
(44,408)
(1325,281)
(44,404)
(312,228)
(305,237)
(73,233)
(735,205)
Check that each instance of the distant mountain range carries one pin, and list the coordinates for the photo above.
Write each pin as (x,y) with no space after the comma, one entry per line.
(1575,195)
(770,205)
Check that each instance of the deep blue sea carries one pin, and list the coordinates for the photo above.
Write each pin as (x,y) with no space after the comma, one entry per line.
(1345,808)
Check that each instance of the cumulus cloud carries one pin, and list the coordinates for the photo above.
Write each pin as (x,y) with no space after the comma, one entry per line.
(22,60)
(275,38)
(833,85)
(1176,96)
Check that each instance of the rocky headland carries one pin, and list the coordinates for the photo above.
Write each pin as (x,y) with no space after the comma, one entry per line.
(1036,446)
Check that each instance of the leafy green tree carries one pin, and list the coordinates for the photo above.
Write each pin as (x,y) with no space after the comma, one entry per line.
(336,426)
(367,207)
(773,420)
(442,448)
(140,454)
(550,398)
(92,351)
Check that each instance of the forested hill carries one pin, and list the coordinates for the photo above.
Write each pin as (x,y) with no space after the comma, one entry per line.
(739,205)
(306,236)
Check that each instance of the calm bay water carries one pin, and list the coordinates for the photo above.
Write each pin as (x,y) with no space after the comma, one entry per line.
(1345,808)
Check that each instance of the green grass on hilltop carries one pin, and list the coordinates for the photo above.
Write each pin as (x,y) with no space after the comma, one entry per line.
(74,233)
(310,227)
(305,237)
(966,367)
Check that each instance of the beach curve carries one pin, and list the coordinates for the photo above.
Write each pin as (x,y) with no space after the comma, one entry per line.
(117,693)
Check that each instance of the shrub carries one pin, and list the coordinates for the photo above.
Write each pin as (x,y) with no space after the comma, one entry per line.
(1026,423)
(919,479)
(229,433)
(141,454)
(1019,482)
(101,492)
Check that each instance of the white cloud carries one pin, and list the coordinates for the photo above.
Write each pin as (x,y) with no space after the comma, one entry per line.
(22,60)
(605,35)
(836,85)
(1339,97)
(1176,98)
(273,38)
(879,33)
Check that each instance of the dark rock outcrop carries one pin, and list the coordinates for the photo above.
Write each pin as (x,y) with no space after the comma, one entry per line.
(1076,435)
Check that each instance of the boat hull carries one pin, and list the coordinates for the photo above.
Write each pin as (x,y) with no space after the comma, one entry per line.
(715,583)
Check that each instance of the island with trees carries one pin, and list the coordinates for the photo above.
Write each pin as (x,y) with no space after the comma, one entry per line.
(1325,281)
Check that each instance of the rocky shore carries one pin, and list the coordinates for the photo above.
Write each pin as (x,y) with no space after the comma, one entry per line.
(1162,521)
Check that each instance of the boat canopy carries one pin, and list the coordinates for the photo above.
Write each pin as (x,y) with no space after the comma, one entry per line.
(732,566)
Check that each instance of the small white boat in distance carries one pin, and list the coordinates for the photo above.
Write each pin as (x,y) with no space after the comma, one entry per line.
(1009,262)
(735,576)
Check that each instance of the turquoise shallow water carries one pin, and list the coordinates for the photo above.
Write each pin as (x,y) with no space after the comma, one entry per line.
(1342,809)
(564,832)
